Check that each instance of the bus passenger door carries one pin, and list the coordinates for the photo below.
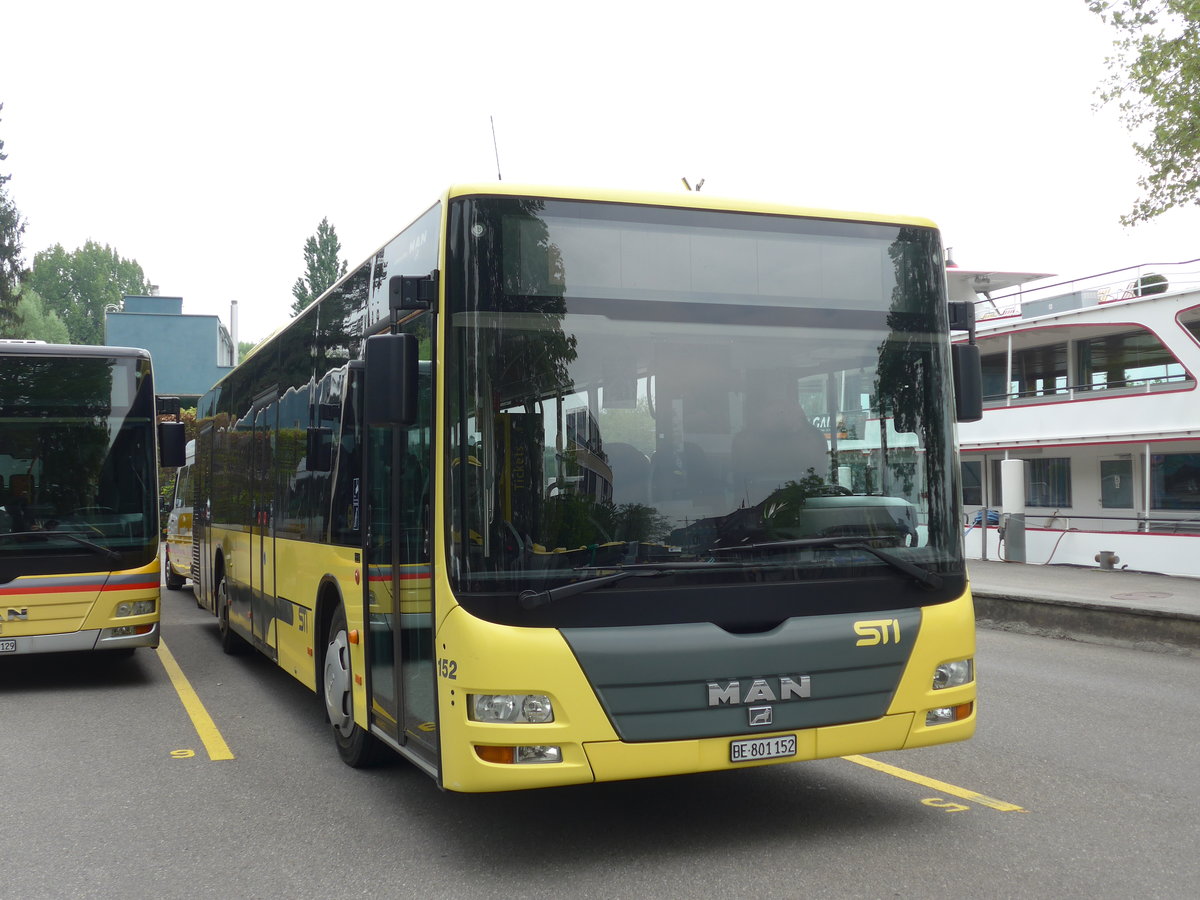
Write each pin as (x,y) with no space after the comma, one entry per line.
(262,541)
(400,599)
(202,518)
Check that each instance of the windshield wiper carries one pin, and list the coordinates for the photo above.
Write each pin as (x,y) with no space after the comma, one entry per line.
(927,578)
(533,599)
(109,555)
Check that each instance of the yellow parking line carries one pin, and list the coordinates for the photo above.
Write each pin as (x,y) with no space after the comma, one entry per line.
(936,785)
(205,727)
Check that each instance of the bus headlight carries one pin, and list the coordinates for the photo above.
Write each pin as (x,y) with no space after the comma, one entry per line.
(953,674)
(529,708)
(135,608)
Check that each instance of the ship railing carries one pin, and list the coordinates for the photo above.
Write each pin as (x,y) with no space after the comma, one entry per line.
(1064,393)
(1127,283)
(1186,523)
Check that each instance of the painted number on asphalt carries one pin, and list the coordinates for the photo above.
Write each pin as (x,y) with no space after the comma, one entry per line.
(945,805)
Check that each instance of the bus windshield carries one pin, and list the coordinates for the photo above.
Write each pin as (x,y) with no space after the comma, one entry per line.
(726,399)
(77,468)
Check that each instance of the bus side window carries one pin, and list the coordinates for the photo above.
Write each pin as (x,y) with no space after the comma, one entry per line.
(347,490)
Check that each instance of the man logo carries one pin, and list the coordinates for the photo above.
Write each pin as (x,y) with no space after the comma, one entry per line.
(877,631)
(15,615)
(760,691)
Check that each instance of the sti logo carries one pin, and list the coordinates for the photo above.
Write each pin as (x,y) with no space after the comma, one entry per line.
(873,632)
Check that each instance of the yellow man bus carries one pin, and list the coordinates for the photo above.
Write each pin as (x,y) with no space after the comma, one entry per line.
(178,556)
(564,486)
(79,498)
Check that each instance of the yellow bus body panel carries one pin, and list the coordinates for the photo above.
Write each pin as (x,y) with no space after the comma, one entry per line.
(947,634)
(301,568)
(502,659)
(179,541)
(499,659)
(64,604)
(618,761)
(675,199)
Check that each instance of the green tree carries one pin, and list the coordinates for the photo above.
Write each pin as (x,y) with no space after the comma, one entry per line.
(321,264)
(80,284)
(37,322)
(12,226)
(1155,82)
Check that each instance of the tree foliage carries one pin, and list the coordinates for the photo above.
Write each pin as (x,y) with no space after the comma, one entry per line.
(80,284)
(38,323)
(1155,82)
(321,264)
(12,226)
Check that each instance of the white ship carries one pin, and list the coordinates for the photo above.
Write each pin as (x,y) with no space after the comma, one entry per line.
(1092,384)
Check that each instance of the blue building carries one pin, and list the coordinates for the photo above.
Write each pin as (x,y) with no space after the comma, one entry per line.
(190,353)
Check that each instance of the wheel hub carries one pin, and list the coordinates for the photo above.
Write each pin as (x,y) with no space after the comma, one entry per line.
(337,683)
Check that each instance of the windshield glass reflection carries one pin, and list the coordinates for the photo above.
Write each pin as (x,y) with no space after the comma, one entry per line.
(629,392)
(76,466)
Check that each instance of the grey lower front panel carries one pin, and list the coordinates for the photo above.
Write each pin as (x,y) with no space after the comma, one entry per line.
(696,680)
(79,641)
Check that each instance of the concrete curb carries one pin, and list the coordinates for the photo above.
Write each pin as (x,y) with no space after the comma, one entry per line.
(1154,630)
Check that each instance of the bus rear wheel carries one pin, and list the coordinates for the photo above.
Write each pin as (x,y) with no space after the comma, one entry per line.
(355,746)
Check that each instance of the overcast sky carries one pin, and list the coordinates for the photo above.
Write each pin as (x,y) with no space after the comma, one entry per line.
(207,141)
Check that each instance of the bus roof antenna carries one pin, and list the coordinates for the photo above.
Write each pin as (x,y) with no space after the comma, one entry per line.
(699,184)
(496,148)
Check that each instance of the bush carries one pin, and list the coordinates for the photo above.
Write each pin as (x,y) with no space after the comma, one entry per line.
(1151,283)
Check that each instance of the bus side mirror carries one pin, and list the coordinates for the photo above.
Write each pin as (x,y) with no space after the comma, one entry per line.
(167,406)
(968,382)
(391,379)
(172,444)
(962,316)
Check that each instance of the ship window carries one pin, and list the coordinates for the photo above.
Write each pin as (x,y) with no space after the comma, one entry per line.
(1040,371)
(1175,480)
(972,483)
(1190,319)
(1047,482)
(1131,359)
(995,376)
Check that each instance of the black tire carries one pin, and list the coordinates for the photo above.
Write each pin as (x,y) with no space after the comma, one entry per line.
(355,746)
(231,642)
(174,582)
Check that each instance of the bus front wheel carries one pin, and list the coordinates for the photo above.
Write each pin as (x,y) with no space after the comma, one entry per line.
(355,746)
(231,643)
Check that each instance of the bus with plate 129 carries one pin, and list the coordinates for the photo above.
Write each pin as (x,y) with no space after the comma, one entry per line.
(563,486)
(80,446)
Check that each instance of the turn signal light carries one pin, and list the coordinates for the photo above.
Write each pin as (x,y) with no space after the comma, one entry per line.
(519,755)
(949,714)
